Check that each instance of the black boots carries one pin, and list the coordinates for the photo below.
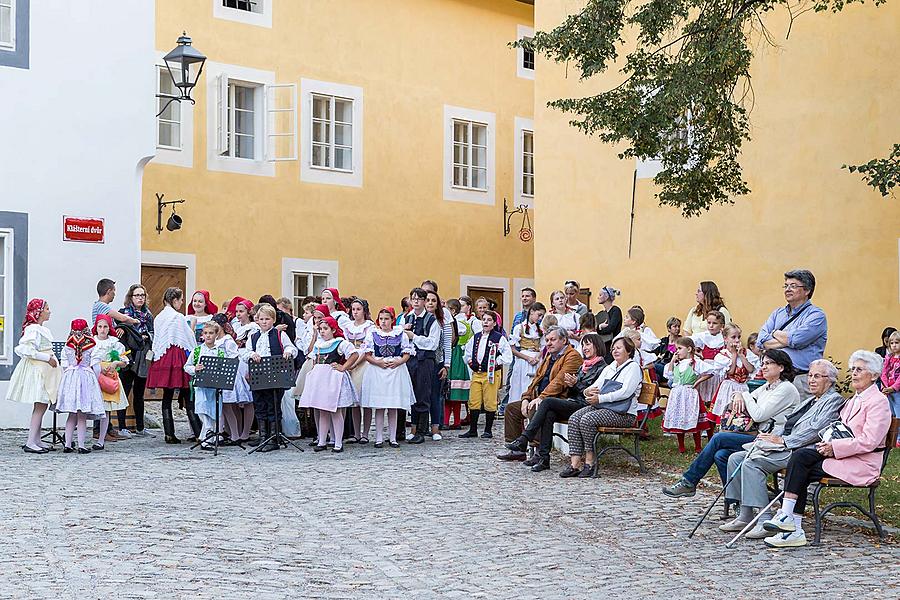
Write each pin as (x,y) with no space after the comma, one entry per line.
(169,423)
(267,428)
(421,428)
(473,424)
(488,423)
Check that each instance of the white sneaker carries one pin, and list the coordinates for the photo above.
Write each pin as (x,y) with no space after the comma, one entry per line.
(409,436)
(436,437)
(733,526)
(144,433)
(794,539)
(757,533)
(125,434)
(780,523)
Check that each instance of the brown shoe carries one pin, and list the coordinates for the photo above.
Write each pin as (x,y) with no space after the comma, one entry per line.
(513,455)
(112,437)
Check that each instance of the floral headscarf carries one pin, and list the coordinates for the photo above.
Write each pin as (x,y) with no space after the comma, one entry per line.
(80,326)
(33,312)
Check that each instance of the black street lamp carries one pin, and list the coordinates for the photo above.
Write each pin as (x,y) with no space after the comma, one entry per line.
(179,62)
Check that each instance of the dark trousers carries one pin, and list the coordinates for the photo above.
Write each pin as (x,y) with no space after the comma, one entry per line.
(187,401)
(267,404)
(804,467)
(422,373)
(717,450)
(437,397)
(134,385)
(549,412)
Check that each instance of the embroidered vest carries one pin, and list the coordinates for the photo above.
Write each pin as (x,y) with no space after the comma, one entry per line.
(490,347)
(329,354)
(421,327)
(386,346)
(274,341)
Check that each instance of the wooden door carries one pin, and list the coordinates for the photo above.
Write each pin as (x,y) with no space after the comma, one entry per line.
(491,294)
(157,279)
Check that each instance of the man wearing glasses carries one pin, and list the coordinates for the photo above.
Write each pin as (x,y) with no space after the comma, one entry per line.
(799,328)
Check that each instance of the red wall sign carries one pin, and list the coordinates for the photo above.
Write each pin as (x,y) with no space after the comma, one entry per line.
(83,229)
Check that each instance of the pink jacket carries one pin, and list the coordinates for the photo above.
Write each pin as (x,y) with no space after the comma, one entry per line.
(855,461)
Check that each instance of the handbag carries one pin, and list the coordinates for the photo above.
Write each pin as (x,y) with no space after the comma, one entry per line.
(836,431)
(108,384)
(611,385)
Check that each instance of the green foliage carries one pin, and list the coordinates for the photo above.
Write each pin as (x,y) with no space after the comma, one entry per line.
(685,92)
(842,385)
(882,174)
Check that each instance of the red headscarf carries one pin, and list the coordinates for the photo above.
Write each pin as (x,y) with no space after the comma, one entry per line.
(86,342)
(336,295)
(390,309)
(323,308)
(109,321)
(211,308)
(231,311)
(33,312)
(338,333)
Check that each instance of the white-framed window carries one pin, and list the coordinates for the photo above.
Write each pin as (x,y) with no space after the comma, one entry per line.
(528,163)
(648,168)
(8,24)
(469,150)
(249,12)
(7,330)
(523,152)
(524,58)
(240,120)
(307,284)
(168,127)
(331,133)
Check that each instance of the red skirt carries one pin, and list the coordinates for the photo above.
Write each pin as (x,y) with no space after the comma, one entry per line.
(168,371)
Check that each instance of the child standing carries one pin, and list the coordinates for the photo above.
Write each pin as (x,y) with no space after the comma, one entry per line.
(709,343)
(355,333)
(460,380)
(205,404)
(235,400)
(110,355)
(525,343)
(486,353)
(387,386)
(685,374)
(666,347)
(328,387)
(36,378)
(732,362)
(890,374)
(79,391)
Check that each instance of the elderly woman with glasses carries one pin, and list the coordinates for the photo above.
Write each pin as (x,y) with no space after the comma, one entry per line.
(771,452)
(852,459)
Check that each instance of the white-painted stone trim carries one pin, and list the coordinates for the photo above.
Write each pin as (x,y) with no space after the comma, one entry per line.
(174,259)
(263,18)
(289,266)
(183,157)
(498,283)
(521,125)
(309,173)
(457,194)
(521,71)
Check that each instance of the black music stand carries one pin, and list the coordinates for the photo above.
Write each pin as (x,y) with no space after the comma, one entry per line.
(218,373)
(273,373)
(53,434)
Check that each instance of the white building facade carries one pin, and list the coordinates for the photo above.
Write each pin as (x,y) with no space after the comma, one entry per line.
(76,129)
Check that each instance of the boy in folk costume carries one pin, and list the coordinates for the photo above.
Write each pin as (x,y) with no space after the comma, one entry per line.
(486,353)
(268,341)
(423,330)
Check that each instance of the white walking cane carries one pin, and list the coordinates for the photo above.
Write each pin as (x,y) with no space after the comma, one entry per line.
(753,521)
(737,470)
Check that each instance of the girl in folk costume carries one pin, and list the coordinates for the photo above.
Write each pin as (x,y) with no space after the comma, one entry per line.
(486,353)
(565,317)
(200,311)
(332,299)
(239,399)
(634,318)
(79,392)
(242,323)
(460,380)
(110,354)
(243,326)
(35,379)
(443,356)
(205,404)
(525,342)
(709,343)
(684,411)
(733,364)
(387,386)
(355,333)
(173,340)
(328,387)
(305,335)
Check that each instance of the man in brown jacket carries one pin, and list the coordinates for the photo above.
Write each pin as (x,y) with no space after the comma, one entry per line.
(548,382)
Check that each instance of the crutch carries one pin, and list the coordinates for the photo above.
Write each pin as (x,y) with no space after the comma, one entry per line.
(754,520)
(737,470)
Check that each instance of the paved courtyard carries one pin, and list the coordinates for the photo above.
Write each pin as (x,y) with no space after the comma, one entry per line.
(146,520)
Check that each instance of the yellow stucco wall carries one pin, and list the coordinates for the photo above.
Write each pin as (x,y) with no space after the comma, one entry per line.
(411,58)
(824,97)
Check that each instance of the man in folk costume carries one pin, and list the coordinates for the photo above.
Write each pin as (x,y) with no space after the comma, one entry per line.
(486,353)
(423,330)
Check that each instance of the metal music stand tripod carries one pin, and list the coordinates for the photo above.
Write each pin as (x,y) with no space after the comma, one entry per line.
(218,373)
(53,434)
(273,373)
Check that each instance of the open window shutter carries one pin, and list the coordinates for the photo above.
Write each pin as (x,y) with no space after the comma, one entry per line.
(221,113)
(281,122)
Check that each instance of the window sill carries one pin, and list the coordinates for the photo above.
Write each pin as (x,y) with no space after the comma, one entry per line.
(469,189)
(331,170)
(169,148)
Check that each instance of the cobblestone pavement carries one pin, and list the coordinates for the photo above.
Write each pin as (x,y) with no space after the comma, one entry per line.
(445,519)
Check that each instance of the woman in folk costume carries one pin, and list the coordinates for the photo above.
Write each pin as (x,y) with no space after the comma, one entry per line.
(172,342)
(79,391)
(486,353)
(110,354)
(526,347)
(387,386)
(200,311)
(331,298)
(36,377)
(355,333)
(328,387)
(460,379)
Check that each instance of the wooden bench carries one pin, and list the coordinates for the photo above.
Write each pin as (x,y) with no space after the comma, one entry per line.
(648,397)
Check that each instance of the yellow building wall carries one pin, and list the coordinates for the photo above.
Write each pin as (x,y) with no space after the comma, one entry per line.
(823,98)
(411,58)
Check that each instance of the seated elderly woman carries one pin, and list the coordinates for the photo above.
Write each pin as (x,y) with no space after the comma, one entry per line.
(770,452)
(612,402)
(766,409)
(851,459)
(549,411)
